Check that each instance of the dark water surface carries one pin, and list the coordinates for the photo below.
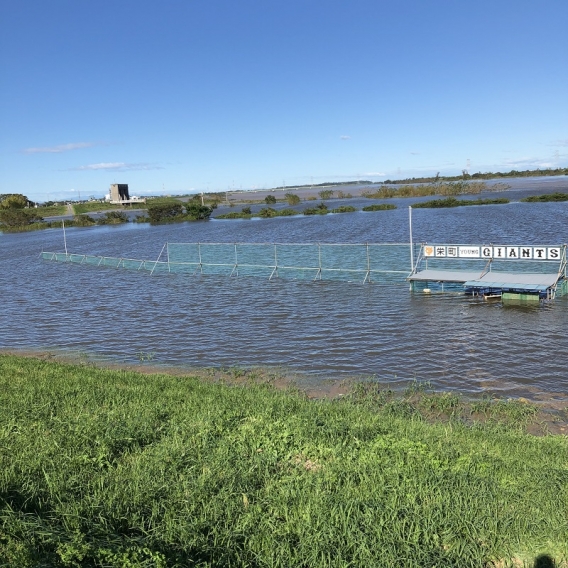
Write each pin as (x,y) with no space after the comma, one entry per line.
(318,330)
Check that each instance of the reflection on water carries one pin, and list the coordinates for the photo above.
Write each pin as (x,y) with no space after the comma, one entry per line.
(319,329)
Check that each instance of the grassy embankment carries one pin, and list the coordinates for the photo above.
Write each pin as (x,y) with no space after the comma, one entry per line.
(115,468)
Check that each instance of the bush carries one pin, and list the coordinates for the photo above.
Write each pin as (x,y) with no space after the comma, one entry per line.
(320,209)
(163,212)
(344,209)
(234,215)
(270,199)
(292,198)
(379,207)
(546,197)
(326,193)
(287,212)
(18,217)
(83,221)
(267,212)
(112,218)
(197,212)
(453,202)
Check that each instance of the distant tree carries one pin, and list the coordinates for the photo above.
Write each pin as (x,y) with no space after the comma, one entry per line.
(270,199)
(325,193)
(163,212)
(15,217)
(197,212)
(13,201)
(292,198)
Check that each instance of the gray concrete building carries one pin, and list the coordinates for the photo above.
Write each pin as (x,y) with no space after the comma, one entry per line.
(119,192)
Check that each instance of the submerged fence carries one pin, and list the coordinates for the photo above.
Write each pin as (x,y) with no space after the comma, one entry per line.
(385,263)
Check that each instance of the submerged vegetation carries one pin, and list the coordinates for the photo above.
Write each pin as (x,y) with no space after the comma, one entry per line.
(116,468)
(450,188)
(319,209)
(453,202)
(546,197)
(344,209)
(379,207)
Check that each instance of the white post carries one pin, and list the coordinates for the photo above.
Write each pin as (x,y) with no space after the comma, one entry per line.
(64,237)
(411,244)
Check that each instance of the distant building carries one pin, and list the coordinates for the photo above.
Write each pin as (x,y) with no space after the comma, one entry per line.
(119,192)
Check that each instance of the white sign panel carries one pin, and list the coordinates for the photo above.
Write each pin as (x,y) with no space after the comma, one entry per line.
(554,253)
(429,250)
(493,252)
(469,252)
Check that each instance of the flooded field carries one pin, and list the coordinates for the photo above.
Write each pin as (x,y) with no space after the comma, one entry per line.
(312,330)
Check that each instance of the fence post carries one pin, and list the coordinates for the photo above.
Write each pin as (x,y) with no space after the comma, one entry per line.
(275,270)
(319,263)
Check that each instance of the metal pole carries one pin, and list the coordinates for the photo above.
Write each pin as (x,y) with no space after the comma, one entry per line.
(410,233)
(158,259)
(64,238)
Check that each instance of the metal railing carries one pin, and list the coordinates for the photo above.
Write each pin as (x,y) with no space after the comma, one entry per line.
(368,262)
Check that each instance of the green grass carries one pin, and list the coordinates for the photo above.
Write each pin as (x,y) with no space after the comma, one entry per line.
(265,212)
(453,202)
(546,197)
(92,206)
(379,207)
(116,468)
(51,211)
(344,209)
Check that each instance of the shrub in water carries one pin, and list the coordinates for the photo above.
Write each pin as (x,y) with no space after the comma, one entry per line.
(379,207)
(344,209)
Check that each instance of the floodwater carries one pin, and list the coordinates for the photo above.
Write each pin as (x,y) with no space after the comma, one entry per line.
(313,330)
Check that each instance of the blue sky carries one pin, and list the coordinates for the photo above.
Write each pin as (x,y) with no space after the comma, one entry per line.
(183,96)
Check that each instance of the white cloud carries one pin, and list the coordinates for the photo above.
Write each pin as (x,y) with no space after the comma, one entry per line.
(559,142)
(345,137)
(415,153)
(118,167)
(59,149)
(375,174)
(529,163)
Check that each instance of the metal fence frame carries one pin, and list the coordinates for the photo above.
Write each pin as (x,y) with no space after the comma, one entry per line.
(324,261)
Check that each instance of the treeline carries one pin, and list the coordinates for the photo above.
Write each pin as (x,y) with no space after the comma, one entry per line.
(486,175)
(17,216)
